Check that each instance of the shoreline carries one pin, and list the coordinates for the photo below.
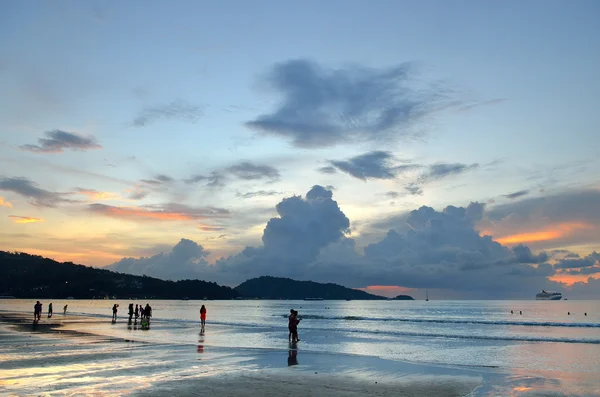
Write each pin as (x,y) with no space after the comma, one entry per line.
(143,368)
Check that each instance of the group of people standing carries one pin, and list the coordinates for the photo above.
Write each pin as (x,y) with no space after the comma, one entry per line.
(37,310)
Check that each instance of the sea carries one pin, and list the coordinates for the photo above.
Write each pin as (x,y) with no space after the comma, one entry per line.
(560,338)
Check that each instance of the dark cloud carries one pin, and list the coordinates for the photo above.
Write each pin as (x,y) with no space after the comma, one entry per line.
(258,193)
(214,179)
(372,165)
(518,194)
(584,271)
(523,254)
(324,107)
(392,195)
(442,170)
(166,212)
(158,180)
(327,170)
(176,110)
(39,197)
(249,171)
(414,189)
(186,260)
(571,262)
(58,141)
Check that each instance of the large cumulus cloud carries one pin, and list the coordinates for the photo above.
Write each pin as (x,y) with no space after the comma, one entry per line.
(309,239)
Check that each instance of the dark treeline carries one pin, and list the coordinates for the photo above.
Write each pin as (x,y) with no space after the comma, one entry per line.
(30,276)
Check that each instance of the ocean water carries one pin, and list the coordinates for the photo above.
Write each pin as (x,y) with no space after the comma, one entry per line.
(478,334)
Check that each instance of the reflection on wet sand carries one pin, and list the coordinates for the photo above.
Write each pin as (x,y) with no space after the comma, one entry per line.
(292,357)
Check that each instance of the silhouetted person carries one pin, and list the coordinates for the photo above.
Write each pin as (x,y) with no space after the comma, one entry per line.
(130,311)
(511,312)
(568,313)
(148,312)
(137,312)
(114,310)
(202,316)
(37,311)
(65,309)
(293,324)
(585,314)
(50,310)
(520,312)
(290,322)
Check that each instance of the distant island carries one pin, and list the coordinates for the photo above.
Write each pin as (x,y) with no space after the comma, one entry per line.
(403,298)
(31,276)
(267,287)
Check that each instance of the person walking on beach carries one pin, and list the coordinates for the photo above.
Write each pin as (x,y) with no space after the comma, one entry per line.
(65,309)
(130,311)
(137,312)
(203,316)
(114,310)
(50,310)
(290,322)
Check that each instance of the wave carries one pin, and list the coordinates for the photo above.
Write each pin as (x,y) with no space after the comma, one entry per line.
(456,321)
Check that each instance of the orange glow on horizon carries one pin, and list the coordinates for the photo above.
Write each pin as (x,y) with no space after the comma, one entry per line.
(24,219)
(387,290)
(570,279)
(553,232)
(4,203)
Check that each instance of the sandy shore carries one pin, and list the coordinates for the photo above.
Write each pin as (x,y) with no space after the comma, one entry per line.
(49,359)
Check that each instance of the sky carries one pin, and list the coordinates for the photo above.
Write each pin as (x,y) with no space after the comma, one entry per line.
(392,146)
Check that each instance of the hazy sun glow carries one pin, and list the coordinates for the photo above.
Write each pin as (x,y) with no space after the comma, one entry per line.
(24,219)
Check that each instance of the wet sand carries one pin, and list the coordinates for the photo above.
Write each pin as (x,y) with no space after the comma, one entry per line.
(51,358)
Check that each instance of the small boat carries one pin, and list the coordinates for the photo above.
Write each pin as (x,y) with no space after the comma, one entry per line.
(548,296)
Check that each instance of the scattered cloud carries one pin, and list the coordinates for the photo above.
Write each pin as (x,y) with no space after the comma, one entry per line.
(176,110)
(259,193)
(58,141)
(518,194)
(167,212)
(158,180)
(4,203)
(392,195)
(413,189)
(210,228)
(24,219)
(489,102)
(442,170)
(327,170)
(247,170)
(372,165)
(39,197)
(96,195)
(323,106)
(214,179)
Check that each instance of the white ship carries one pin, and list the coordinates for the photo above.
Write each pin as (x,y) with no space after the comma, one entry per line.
(548,296)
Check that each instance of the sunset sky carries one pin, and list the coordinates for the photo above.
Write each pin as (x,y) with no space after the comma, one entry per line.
(131,129)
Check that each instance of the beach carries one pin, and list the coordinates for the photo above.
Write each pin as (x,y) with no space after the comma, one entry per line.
(86,354)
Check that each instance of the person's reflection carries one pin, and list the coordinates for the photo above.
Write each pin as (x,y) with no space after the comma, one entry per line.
(201,342)
(292,355)
(129,324)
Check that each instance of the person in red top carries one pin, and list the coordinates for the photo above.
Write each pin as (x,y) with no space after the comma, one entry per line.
(203,316)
